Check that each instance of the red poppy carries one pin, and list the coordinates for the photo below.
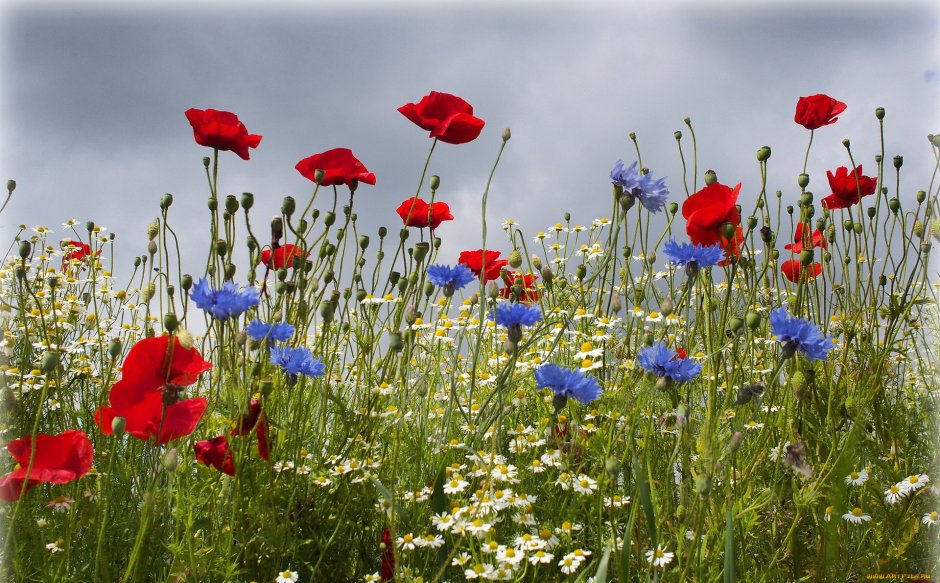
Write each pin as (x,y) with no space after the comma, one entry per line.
(448,117)
(474,260)
(221,130)
(794,270)
(339,166)
(283,256)
(216,453)
(816,111)
(257,420)
(76,251)
(59,459)
(147,394)
(848,190)
(707,211)
(817,239)
(414,212)
(681,353)
(529,293)
(388,556)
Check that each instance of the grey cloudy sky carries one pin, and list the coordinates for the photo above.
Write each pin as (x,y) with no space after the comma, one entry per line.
(94,95)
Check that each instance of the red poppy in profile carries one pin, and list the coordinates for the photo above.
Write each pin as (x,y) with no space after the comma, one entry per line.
(221,130)
(339,166)
(448,117)
(147,395)
(474,260)
(216,453)
(816,240)
(59,459)
(794,270)
(707,211)
(529,293)
(816,111)
(283,256)
(257,420)
(414,212)
(387,571)
(848,189)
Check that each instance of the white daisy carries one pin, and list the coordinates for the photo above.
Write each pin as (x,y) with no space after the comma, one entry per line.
(931,518)
(287,576)
(894,494)
(659,557)
(857,478)
(856,516)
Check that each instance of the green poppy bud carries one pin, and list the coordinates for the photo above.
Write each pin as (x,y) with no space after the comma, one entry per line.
(847,224)
(703,485)
(710,177)
(803,180)
(221,247)
(329,218)
(11,186)
(212,203)
(248,200)
(231,204)
(118,425)
(171,460)
(880,113)
(26,248)
(752,319)
(857,227)
(170,322)
(166,201)
(806,199)
(536,262)
(581,271)
(846,143)
(763,154)
(728,230)
(205,161)
(277,228)
(898,162)
(186,282)
(736,324)
(806,257)
(921,196)
(613,466)
(894,204)
(288,206)
(114,348)
(229,270)
(395,341)
(421,251)
(677,135)
(50,361)
(667,306)
(363,242)
(935,229)
(751,223)
(506,135)
(435,182)
(673,208)
(616,303)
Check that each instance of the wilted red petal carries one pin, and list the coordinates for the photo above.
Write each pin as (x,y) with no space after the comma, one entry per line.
(387,572)
(215,452)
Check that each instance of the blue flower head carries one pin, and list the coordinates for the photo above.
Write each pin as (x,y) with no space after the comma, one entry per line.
(652,193)
(662,362)
(567,383)
(297,361)
(797,334)
(276,332)
(226,302)
(514,317)
(693,257)
(450,278)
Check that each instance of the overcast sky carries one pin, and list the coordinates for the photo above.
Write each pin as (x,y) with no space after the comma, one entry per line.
(94,95)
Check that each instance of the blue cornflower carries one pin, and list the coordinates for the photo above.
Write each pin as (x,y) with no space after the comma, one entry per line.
(295,361)
(662,362)
(693,257)
(514,317)
(799,334)
(225,302)
(567,383)
(276,332)
(450,278)
(652,192)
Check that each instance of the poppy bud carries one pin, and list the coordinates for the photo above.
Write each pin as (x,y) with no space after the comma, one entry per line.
(847,224)
(395,342)
(151,248)
(789,209)
(410,315)
(935,140)
(547,274)
(648,338)
(775,254)
(567,216)
(20,272)
(25,249)
(921,196)
(894,204)
(492,291)
(559,401)
(221,247)
(882,281)
(858,228)
(118,424)
(651,257)
(328,249)
(752,319)
(806,257)
(925,248)
(878,158)
(736,325)
(613,466)
(935,229)
(627,200)
(536,261)
(429,289)
(205,161)
(402,285)
(728,230)
(186,339)
(677,135)
(616,303)
(751,223)
(277,228)
(288,206)
(803,180)
(581,271)
(361,295)
(403,234)
(710,177)
(871,212)
(506,135)
(806,199)
(515,259)
(673,208)
(326,312)
(846,143)
(229,270)
(114,348)
(880,112)
(11,186)
(248,200)
(898,162)
(329,218)
(766,234)
(421,251)
(735,442)
(170,322)
(435,182)
(763,154)
(231,204)
(50,361)
(212,203)
(667,306)
(148,292)
(187,282)
(393,277)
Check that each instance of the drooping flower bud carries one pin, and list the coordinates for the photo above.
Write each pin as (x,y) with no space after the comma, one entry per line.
(710,177)
(763,154)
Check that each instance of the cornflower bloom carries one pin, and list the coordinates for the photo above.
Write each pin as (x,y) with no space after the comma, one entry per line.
(664,363)
(276,332)
(693,257)
(567,383)
(651,193)
(514,317)
(297,361)
(797,334)
(450,278)
(225,302)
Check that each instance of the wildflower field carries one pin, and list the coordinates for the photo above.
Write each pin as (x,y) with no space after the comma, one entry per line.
(688,389)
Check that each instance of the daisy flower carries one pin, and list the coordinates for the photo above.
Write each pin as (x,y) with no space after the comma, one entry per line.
(931,518)
(856,516)
(894,494)
(659,557)
(287,576)
(857,478)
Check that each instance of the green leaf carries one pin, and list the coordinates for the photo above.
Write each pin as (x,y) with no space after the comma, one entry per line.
(624,566)
(729,544)
(402,514)
(601,575)
(646,500)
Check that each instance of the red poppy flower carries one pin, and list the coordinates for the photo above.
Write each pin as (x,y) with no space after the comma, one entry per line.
(681,353)
(339,167)
(846,189)
(816,111)
(793,270)
(283,256)
(146,394)
(817,239)
(414,212)
(59,459)
(221,130)
(387,571)
(529,293)
(474,260)
(257,420)
(448,117)
(706,213)
(75,251)
(216,453)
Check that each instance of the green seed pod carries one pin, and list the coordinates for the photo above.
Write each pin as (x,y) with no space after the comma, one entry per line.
(221,247)
(921,196)
(616,303)
(429,289)
(751,223)
(651,257)
(402,286)
(581,272)
(728,230)
(171,460)
(871,212)
(673,208)
(536,262)
(326,312)
(186,282)
(277,228)
(20,272)
(361,295)
(403,234)
(882,280)
(763,154)
(231,204)
(880,113)
(363,242)
(506,135)
(677,135)
(212,203)
(667,306)
(153,229)
(547,274)
(806,256)
(50,361)
(170,322)
(736,324)
(802,180)
(329,218)
(847,224)
(806,199)
(114,348)
(248,201)
(11,186)
(118,425)
(753,320)
(421,251)
(435,182)
(710,177)
(857,227)
(393,277)
(846,143)
(288,206)
(925,247)
(775,254)
(26,248)
(148,292)
(229,270)
(613,466)
(205,161)
(395,341)
(898,162)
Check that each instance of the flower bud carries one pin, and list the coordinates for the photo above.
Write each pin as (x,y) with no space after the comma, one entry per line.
(221,247)
(736,324)
(11,186)
(26,248)
(921,196)
(846,143)
(492,291)
(166,201)
(935,229)
(277,228)
(763,154)
(651,257)
(435,182)
(114,348)
(806,257)
(186,339)
(580,272)
(151,249)
(880,113)
(766,234)
(894,204)
(515,259)
(898,162)
(170,322)
(186,282)
(231,204)
(148,292)
(751,223)
(703,485)
(50,361)
(710,177)
(752,319)
(395,341)
(506,135)
(205,161)
(248,200)
(857,227)
(673,208)
(802,180)
(421,251)
(288,206)
(806,199)
(118,424)
(212,203)
(616,303)
(677,135)
(171,460)
(728,230)
(735,442)
(613,466)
